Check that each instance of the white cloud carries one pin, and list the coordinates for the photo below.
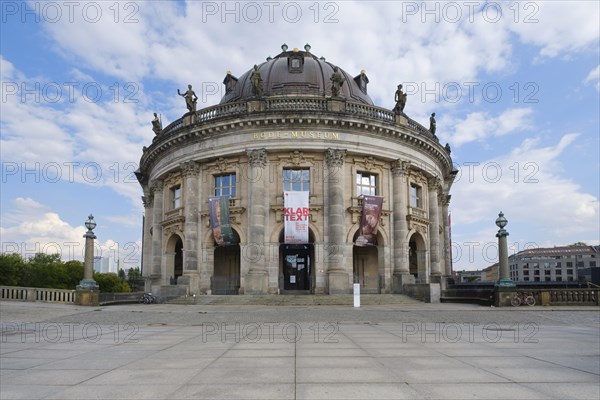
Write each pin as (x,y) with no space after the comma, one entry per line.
(594,76)
(529,175)
(92,142)
(478,126)
(558,26)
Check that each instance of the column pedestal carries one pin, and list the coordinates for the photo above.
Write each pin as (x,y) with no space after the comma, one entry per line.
(338,282)
(256,282)
(402,279)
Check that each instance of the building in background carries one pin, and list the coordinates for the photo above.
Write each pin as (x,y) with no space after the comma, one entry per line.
(106,264)
(466,276)
(377,187)
(555,264)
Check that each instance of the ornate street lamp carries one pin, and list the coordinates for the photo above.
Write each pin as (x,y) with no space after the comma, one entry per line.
(88,282)
(503,273)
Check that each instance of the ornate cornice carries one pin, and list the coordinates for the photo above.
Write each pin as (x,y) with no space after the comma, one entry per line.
(230,122)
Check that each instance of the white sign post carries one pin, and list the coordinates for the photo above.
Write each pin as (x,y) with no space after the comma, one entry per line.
(357,295)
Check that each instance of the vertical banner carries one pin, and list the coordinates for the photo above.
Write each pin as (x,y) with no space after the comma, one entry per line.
(218,208)
(295,214)
(369,221)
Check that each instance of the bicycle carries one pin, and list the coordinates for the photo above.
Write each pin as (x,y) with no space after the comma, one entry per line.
(522,298)
(147,298)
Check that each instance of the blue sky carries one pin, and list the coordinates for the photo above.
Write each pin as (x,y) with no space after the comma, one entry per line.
(515,87)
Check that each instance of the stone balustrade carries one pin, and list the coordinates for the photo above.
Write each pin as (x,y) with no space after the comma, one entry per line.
(569,297)
(297,104)
(18,293)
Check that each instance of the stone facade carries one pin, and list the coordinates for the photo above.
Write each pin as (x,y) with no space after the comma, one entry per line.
(251,142)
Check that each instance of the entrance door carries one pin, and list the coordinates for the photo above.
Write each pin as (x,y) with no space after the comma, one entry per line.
(226,278)
(365,269)
(296,267)
(178,263)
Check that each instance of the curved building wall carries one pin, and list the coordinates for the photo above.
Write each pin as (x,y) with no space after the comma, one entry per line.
(255,141)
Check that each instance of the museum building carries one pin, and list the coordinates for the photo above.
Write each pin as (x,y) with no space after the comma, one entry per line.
(373,188)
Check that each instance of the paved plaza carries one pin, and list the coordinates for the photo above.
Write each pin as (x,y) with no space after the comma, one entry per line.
(406,350)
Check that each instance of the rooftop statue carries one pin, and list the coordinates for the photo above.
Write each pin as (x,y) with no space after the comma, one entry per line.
(190,98)
(337,80)
(257,83)
(400,99)
(432,124)
(156,125)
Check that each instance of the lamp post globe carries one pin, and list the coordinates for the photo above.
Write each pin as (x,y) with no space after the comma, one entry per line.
(501,221)
(90,223)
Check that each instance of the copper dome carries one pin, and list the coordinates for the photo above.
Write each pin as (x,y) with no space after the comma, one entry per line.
(298,73)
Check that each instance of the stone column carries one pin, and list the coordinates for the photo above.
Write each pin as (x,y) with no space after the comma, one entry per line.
(256,281)
(339,278)
(157,216)
(447,249)
(87,292)
(401,274)
(191,277)
(433,185)
(148,201)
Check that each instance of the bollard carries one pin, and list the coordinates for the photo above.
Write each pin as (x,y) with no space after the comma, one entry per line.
(357,295)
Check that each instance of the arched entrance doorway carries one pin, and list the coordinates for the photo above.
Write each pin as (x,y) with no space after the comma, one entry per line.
(174,254)
(365,266)
(417,257)
(226,276)
(296,263)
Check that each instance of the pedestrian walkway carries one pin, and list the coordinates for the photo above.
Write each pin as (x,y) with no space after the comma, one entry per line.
(390,351)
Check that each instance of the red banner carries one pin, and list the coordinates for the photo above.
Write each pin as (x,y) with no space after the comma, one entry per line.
(295,214)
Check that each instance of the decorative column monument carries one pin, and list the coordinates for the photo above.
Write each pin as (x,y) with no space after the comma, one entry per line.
(504,286)
(87,292)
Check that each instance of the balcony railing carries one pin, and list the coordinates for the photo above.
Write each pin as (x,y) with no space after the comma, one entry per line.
(314,104)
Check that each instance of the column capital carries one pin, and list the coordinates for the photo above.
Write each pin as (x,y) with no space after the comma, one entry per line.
(190,168)
(400,168)
(156,186)
(148,201)
(257,158)
(335,157)
(446,200)
(433,183)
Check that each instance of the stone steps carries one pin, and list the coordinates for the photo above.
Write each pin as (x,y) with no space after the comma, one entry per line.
(296,300)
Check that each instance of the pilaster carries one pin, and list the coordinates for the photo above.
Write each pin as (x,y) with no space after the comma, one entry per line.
(337,273)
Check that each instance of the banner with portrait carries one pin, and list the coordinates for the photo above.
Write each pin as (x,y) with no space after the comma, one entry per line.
(218,208)
(295,217)
(369,221)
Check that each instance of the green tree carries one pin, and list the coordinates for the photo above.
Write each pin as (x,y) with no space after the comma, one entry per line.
(74,273)
(121,274)
(45,259)
(111,283)
(134,278)
(11,268)
(577,244)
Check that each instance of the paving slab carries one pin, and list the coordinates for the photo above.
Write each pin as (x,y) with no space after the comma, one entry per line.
(333,351)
